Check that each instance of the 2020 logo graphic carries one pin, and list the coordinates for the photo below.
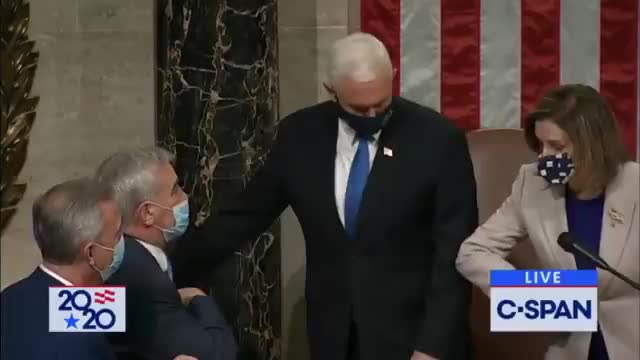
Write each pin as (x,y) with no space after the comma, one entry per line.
(87,309)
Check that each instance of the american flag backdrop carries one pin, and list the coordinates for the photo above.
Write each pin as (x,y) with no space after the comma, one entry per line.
(485,63)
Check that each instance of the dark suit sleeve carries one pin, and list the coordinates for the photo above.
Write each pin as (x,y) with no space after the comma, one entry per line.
(240,218)
(83,346)
(177,330)
(207,312)
(455,218)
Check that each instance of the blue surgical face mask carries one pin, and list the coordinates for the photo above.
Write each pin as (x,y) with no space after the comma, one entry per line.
(118,256)
(181,220)
(556,169)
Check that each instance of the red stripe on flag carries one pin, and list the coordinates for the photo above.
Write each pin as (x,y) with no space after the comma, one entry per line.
(619,64)
(460,62)
(540,50)
(381,18)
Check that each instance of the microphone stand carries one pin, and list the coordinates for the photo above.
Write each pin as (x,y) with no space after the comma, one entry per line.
(600,263)
(568,244)
(622,277)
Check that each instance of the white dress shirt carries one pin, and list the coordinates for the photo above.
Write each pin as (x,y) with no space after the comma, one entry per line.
(55,276)
(346,148)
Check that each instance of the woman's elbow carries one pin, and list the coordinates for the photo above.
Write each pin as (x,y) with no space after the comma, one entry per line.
(465,258)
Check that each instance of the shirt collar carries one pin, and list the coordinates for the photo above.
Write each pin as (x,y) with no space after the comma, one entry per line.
(158,254)
(55,276)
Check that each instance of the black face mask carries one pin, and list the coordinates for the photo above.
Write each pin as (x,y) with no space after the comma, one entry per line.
(365,126)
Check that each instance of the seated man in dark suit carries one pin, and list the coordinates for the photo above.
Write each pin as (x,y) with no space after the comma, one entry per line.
(162,322)
(77,228)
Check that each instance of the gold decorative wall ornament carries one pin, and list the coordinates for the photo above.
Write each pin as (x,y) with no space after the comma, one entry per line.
(18,62)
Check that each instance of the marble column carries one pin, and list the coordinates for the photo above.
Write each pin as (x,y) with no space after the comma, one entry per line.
(217,99)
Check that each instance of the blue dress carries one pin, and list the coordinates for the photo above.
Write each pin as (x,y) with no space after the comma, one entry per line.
(584,218)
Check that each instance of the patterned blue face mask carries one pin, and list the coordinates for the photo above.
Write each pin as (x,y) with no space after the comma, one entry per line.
(118,256)
(556,169)
(181,221)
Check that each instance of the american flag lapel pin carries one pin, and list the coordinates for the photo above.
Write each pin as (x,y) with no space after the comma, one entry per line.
(387,152)
(615,217)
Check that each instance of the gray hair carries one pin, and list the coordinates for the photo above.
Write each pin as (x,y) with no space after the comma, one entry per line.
(131,178)
(358,56)
(67,216)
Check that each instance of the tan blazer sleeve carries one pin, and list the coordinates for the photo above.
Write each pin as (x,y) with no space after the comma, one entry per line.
(487,248)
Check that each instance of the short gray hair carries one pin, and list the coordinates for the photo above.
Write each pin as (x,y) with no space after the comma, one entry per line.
(358,56)
(130,176)
(67,216)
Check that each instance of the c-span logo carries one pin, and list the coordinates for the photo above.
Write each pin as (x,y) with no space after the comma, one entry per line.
(87,309)
(544,300)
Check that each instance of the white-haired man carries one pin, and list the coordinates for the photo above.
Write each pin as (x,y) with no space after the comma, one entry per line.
(385,193)
(76,225)
(162,322)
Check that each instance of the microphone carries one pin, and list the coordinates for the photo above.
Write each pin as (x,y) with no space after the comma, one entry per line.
(569,244)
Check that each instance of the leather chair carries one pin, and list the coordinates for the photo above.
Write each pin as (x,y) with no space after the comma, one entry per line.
(497,155)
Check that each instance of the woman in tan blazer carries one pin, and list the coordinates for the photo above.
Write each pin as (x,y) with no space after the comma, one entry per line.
(583,183)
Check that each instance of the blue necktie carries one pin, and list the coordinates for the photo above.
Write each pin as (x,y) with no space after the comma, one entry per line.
(355,186)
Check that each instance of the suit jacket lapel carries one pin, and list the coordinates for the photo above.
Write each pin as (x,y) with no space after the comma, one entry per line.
(553,218)
(618,215)
(327,164)
(381,171)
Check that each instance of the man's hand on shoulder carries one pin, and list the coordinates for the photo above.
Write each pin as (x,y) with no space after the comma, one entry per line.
(417,355)
(187,294)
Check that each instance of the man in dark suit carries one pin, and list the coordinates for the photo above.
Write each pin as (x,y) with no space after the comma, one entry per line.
(162,322)
(385,193)
(77,228)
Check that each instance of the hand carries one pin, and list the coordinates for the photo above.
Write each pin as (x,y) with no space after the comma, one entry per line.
(417,355)
(187,294)
(184,357)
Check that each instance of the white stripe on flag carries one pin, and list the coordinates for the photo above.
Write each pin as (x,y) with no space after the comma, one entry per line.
(580,42)
(420,51)
(638,103)
(500,64)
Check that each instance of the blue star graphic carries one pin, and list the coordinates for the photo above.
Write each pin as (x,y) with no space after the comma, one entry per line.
(71,321)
